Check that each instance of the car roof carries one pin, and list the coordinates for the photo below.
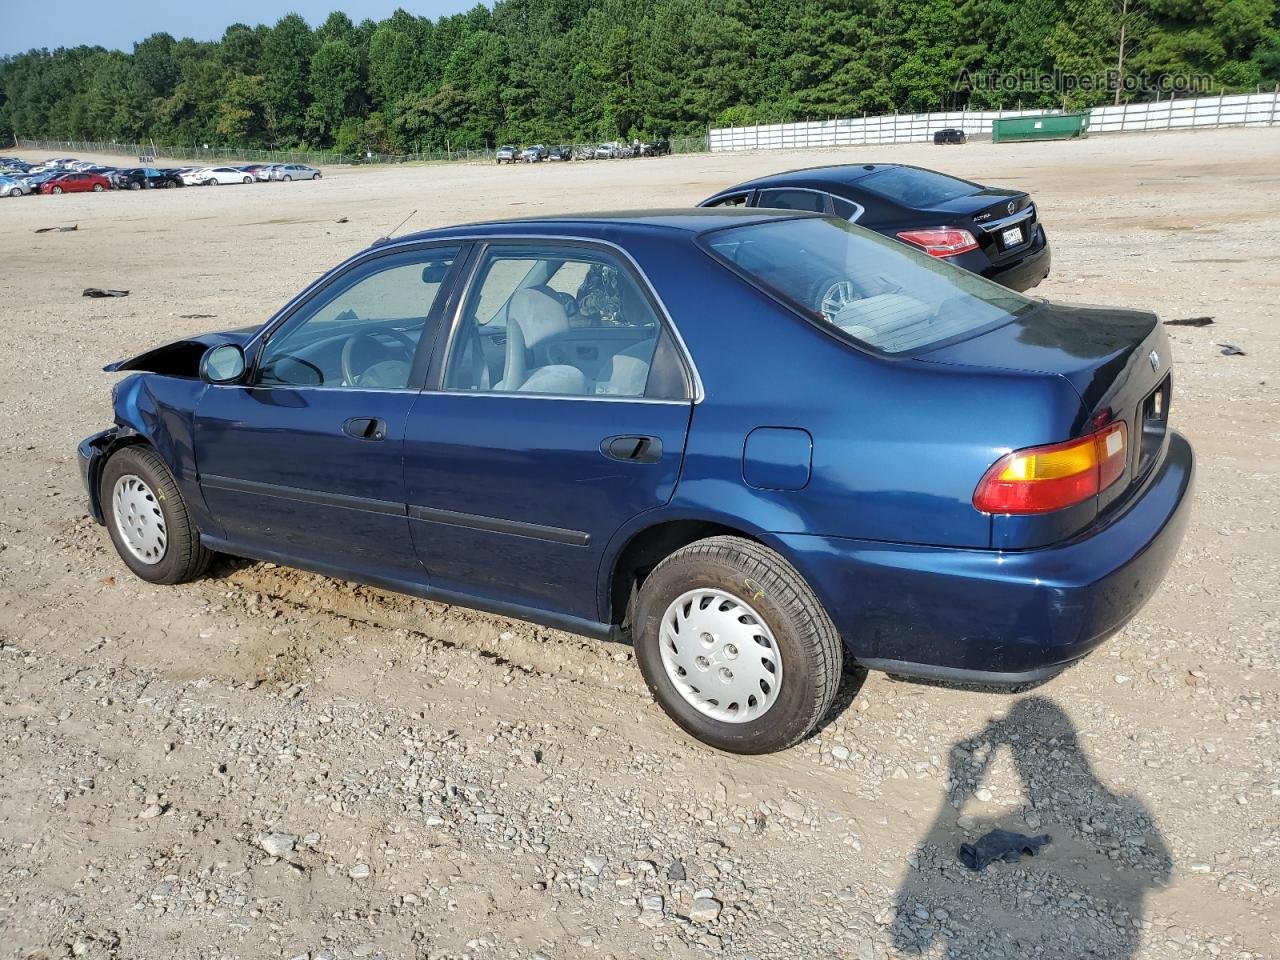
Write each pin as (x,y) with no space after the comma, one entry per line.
(842,174)
(610,224)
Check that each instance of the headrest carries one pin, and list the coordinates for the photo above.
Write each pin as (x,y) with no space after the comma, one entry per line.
(538,315)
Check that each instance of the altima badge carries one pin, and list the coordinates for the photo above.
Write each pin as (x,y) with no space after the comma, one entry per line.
(1155,361)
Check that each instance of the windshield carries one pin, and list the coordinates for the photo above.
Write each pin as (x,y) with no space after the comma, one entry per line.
(877,291)
(914,187)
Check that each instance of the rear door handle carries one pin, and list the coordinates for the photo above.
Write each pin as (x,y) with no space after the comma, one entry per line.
(365,428)
(632,449)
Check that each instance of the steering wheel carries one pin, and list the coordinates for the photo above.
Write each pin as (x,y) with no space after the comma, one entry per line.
(349,376)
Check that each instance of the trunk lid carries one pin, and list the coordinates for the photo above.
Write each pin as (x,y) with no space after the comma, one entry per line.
(992,215)
(1117,361)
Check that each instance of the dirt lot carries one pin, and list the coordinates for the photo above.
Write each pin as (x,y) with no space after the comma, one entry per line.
(272,764)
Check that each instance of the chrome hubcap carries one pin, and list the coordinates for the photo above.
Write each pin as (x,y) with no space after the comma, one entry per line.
(139,519)
(838,296)
(720,655)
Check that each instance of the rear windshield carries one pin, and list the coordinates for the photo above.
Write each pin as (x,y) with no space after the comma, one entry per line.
(913,187)
(876,291)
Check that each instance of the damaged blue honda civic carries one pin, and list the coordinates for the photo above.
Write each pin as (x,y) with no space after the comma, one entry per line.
(758,444)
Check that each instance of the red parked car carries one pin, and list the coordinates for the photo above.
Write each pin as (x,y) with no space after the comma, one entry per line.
(76,183)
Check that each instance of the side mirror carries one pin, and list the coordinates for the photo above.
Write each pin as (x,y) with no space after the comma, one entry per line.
(224,363)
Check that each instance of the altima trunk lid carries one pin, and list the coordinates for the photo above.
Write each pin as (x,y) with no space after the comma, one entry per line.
(1004,222)
(1117,361)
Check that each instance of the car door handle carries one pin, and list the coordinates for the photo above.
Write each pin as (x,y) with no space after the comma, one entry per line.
(365,428)
(632,449)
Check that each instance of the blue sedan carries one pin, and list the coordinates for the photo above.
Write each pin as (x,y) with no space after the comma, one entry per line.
(660,426)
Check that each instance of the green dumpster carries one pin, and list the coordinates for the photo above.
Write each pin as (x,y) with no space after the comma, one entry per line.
(1049,126)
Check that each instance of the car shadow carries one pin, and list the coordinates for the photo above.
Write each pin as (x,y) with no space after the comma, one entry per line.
(1084,894)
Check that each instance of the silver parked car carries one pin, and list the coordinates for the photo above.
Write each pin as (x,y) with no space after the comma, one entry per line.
(294,171)
(507,154)
(534,154)
(14,187)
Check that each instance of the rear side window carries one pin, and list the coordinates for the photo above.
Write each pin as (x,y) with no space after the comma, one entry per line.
(781,199)
(563,320)
(864,286)
(913,187)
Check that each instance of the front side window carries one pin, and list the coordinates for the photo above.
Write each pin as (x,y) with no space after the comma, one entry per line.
(362,331)
(869,288)
(733,200)
(563,320)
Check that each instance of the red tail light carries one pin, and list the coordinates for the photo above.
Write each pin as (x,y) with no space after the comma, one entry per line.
(1041,479)
(940,241)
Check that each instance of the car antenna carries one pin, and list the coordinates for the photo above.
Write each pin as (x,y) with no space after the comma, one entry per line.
(394,229)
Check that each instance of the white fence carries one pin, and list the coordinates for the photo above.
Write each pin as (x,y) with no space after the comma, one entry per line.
(1253,109)
(1246,109)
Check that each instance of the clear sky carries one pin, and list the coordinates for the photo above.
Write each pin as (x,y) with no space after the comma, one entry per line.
(119,24)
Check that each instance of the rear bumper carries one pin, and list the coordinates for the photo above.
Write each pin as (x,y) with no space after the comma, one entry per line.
(1021,274)
(992,616)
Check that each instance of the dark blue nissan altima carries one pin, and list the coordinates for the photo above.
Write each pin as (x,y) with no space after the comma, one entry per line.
(661,425)
(990,230)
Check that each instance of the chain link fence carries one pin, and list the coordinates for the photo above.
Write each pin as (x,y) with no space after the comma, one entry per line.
(207,155)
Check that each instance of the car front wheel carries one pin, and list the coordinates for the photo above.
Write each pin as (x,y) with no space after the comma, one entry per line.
(735,647)
(148,520)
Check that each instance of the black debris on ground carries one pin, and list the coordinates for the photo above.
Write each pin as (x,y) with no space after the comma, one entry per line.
(1003,845)
(99,292)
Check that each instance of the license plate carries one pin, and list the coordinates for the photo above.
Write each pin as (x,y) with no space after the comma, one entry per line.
(1012,237)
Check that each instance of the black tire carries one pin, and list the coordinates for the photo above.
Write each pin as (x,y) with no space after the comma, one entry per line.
(810,649)
(247,180)
(184,558)
(135,186)
(315,176)
(56,190)
(287,179)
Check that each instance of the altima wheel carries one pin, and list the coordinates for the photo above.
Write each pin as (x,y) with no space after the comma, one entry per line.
(148,519)
(836,296)
(735,646)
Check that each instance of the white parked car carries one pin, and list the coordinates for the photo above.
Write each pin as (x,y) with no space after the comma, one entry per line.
(263,174)
(212,176)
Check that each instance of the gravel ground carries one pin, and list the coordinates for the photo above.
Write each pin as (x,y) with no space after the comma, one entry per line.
(268,763)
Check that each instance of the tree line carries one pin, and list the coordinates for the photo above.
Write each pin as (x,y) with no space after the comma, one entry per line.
(575,70)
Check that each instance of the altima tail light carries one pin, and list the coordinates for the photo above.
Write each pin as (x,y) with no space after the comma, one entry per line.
(1041,479)
(940,241)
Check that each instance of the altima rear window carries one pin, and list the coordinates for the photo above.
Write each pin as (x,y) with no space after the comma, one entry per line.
(913,187)
(874,290)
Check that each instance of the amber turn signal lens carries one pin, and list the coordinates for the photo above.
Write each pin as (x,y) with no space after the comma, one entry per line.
(1043,479)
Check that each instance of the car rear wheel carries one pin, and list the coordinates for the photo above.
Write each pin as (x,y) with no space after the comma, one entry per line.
(135,186)
(735,647)
(287,179)
(148,520)
(833,294)
(56,190)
